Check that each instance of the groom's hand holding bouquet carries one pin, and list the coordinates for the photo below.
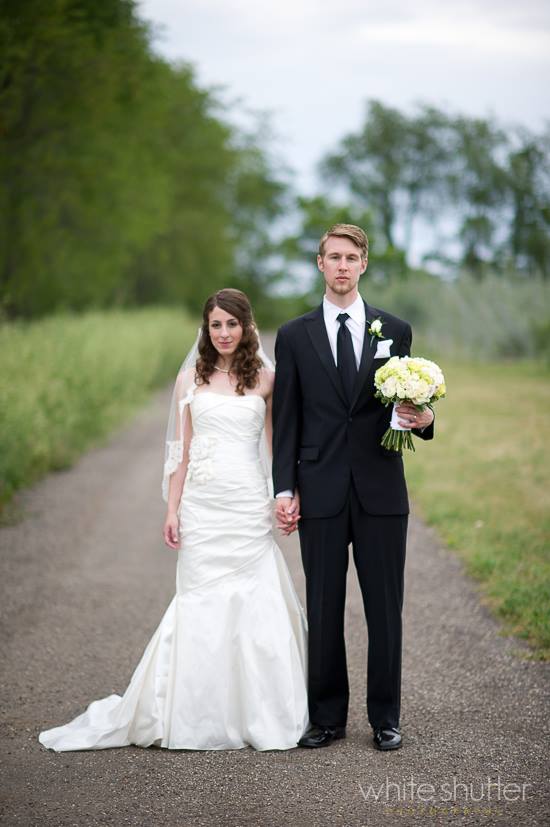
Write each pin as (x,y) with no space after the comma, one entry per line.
(411,385)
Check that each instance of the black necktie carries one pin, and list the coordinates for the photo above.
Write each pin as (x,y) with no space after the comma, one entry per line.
(345,357)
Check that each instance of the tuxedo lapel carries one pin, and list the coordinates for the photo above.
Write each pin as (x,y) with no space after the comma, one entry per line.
(315,326)
(367,357)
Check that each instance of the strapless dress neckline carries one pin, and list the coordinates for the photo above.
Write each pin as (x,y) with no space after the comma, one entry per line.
(229,396)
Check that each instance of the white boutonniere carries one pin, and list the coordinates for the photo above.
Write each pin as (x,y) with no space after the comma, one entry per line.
(375,330)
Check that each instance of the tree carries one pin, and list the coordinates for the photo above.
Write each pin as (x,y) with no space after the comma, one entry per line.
(258,195)
(476,183)
(393,166)
(123,182)
(371,164)
(77,191)
(528,181)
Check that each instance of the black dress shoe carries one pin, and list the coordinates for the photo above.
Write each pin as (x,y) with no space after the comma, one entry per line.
(321,736)
(387,738)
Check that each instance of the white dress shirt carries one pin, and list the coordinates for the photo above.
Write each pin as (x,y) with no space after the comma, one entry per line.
(356,326)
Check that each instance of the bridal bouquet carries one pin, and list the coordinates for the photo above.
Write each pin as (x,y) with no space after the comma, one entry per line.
(407,379)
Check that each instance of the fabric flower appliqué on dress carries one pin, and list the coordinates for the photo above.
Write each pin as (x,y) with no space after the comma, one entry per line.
(201,467)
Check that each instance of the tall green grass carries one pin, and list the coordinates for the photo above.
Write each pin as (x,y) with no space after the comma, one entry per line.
(484,320)
(484,483)
(66,381)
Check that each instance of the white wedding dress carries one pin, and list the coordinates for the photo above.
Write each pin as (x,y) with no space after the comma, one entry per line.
(226,667)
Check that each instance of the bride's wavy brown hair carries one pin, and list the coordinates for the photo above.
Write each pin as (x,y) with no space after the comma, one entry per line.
(246,363)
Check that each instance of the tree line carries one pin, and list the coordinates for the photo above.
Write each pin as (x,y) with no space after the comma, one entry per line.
(123,182)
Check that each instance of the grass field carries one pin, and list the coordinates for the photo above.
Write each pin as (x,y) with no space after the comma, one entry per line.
(66,381)
(484,483)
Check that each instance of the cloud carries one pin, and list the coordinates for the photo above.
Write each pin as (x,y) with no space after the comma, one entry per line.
(493,26)
(447,27)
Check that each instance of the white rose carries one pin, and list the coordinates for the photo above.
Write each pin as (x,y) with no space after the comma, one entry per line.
(411,388)
(422,392)
(388,388)
(376,326)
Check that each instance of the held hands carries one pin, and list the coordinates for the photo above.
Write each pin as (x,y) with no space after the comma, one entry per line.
(411,417)
(287,513)
(171,531)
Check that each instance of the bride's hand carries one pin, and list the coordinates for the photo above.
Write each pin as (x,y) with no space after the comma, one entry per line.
(287,513)
(171,531)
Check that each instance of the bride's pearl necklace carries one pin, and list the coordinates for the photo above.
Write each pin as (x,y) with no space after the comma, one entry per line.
(222,370)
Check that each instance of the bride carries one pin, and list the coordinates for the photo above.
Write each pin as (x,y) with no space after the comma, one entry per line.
(226,666)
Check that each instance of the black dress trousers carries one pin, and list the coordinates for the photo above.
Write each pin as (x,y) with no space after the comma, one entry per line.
(378,543)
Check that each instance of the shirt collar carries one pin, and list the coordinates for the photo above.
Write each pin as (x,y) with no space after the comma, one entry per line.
(356,311)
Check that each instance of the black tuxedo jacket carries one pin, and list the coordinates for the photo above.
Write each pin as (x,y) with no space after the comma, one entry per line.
(320,442)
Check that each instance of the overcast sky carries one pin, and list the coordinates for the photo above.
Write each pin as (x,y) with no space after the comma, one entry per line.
(313,63)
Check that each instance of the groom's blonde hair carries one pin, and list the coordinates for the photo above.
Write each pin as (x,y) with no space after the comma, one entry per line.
(355,234)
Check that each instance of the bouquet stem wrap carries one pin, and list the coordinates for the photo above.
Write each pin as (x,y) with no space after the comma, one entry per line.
(397,438)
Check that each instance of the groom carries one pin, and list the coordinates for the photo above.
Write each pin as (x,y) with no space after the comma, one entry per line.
(327,428)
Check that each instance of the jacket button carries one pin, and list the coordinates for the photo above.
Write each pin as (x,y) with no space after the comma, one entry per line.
(350,419)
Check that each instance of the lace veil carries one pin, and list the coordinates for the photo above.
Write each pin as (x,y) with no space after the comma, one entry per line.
(182,394)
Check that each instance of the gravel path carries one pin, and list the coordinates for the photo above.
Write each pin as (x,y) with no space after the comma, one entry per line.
(85,581)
